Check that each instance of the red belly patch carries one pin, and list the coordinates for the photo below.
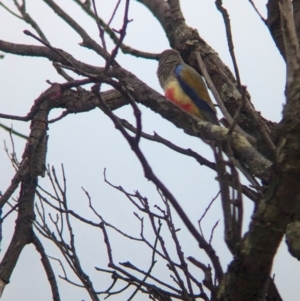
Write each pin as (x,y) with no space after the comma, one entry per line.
(186,106)
(170,94)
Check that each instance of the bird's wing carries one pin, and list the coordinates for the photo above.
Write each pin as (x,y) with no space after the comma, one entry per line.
(193,85)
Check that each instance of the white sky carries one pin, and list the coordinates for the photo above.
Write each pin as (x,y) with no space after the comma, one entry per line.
(87,143)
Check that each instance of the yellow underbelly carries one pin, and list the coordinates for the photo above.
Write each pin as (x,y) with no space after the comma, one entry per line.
(174,92)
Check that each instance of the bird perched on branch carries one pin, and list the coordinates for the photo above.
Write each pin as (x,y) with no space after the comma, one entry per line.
(184,86)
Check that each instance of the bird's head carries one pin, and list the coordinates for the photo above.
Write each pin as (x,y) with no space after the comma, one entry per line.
(170,56)
(168,61)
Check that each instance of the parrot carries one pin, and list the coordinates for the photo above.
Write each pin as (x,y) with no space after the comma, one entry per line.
(184,86)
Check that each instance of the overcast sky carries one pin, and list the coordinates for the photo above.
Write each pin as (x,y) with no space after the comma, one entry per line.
(87,143)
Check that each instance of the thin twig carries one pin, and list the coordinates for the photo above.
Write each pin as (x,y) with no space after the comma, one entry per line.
(212,231)
(150,268)
(226,19)
(205,212)
(10,11)
(114,13)
(101,31)
(125,48)
(257,11)
(47,267)
(122,32)
(219,100)
(12,131)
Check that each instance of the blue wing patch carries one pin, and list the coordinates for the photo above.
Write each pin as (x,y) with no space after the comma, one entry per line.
(202,105)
